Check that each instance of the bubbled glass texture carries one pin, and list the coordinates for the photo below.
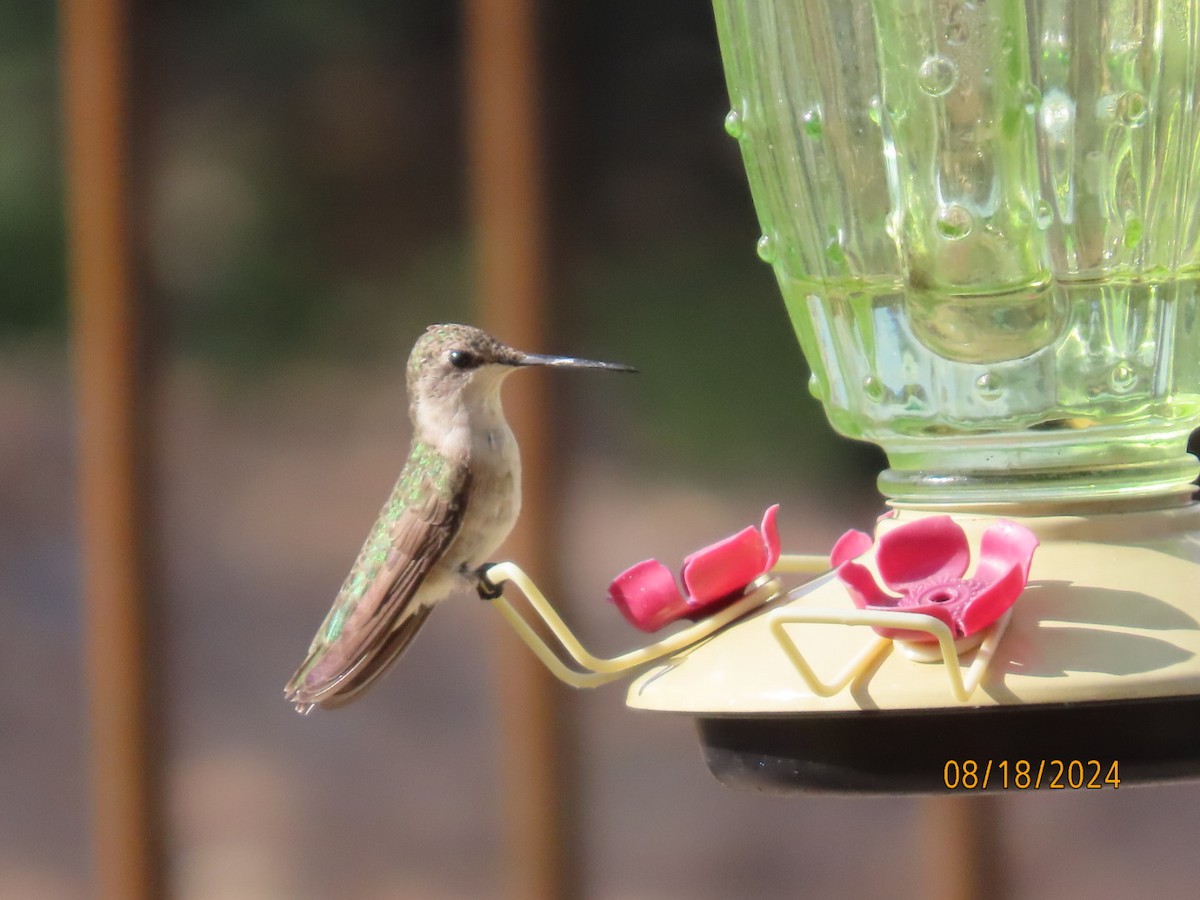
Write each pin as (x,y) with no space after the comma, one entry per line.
(985,221)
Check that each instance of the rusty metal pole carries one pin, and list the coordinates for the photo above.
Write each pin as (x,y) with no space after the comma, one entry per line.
(960,838)
(511,257)
(126,822)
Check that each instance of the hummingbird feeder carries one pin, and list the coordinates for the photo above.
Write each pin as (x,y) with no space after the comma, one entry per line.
(985,222)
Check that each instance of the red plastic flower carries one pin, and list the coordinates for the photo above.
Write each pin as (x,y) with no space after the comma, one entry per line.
(924,561)
(646,594)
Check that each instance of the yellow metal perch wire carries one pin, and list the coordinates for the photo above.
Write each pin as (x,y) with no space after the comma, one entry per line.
(599,670)
(594,671)
(962,687)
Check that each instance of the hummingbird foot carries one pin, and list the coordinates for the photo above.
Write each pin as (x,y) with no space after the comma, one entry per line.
(485,587)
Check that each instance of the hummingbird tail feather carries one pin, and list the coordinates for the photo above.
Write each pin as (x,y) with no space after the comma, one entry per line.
(326,681)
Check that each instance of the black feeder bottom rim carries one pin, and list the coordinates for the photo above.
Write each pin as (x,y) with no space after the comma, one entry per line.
(1089,745)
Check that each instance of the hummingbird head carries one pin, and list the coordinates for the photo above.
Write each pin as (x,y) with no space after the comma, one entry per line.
(453,365)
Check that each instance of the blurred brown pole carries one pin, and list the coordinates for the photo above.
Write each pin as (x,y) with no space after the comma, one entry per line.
(961,844)
(109,397)
(512,259)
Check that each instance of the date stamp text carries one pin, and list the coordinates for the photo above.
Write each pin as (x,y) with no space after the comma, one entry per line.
(1030,774)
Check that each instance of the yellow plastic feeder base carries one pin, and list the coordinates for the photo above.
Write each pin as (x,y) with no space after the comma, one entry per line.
(1095,669)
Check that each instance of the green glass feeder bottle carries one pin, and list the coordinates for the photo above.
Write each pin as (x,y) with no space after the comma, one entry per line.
(984,218)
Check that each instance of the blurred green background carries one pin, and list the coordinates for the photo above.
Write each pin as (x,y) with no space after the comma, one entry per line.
(302,178)
(301,214)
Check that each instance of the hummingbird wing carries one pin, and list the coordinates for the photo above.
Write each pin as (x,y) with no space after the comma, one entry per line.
(377,612)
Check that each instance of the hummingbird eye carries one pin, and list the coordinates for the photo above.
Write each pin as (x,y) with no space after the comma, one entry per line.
(462,359)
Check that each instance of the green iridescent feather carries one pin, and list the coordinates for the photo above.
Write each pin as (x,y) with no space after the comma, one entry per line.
(426,493)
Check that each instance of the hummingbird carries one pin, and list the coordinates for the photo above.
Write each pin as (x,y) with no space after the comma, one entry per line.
(456,500)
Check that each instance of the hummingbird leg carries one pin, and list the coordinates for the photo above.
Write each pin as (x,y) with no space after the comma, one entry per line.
(486,588)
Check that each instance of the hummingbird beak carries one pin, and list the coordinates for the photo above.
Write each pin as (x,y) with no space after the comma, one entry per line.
(566,362)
